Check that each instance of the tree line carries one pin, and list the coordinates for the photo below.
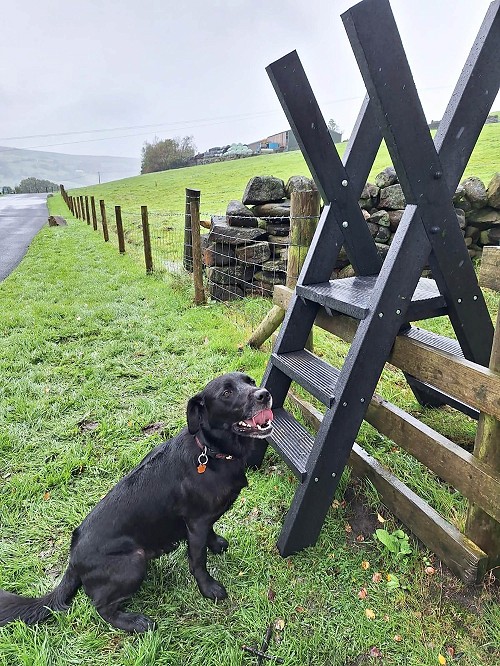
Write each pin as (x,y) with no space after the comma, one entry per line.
(167,154)
(31,185)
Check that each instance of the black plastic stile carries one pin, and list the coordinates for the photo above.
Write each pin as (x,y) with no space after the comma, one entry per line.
(385,296)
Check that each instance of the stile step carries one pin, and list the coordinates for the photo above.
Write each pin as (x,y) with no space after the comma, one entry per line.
(434,340)
(315,375)
(352,297)
(292,441)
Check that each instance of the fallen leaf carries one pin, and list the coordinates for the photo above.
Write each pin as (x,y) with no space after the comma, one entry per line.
(360,538)
(386,618)
(451,651)
(363,593)
(365,565)
(377,577)
(300,609)
(380,518)
(46,495)
(271,594)
(348,528)
(279,624)
(442,660)
(375,652)
(398,638)
(430,571)
(335,504)
(370,614)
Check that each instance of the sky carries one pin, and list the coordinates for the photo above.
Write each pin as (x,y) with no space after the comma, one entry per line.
(102,77)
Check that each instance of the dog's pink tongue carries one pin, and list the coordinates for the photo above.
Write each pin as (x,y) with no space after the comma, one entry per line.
(262,417)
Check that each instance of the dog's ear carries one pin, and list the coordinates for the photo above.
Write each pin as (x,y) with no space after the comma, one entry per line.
(194,412)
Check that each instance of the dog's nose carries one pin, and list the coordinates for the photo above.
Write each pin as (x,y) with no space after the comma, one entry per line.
(262,395)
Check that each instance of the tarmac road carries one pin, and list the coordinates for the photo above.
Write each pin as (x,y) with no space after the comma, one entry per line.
(21,218)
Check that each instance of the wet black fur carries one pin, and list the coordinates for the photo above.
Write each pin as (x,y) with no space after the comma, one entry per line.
(158,504)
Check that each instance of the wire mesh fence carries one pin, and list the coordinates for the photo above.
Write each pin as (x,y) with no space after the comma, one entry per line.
(241,261)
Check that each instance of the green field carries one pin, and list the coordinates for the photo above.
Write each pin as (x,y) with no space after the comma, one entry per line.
(97,362)
(223,181)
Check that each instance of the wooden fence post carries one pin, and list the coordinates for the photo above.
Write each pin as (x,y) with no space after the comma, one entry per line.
(147,239)
(104,220)
(304,213)
(191,195)
(199,292)
(87,212)
(82,208)
(71,205)
(94,214)
(481,528)
(119,229)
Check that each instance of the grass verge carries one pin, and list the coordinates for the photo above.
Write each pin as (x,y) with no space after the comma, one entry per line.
(94,357)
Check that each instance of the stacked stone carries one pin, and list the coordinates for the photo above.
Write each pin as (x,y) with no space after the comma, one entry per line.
(480,212)
(382,203)
(245,251)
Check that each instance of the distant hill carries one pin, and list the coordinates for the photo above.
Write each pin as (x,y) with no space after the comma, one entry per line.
(70,170)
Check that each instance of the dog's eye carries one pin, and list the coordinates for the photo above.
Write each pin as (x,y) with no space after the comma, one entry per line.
(226,393)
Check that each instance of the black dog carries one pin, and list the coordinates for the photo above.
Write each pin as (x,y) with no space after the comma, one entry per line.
(177,492)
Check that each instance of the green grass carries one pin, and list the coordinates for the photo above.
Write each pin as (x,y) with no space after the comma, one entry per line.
(223,181)
(92,351)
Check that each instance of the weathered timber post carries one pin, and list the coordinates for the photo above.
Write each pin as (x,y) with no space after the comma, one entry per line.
(87,212)
(481,528)
(71,205)
(94,214)
(304,213)
(77,202)
(191,196)
(82,208)
(199,292)
(147,239)
(119,229)
(104,220)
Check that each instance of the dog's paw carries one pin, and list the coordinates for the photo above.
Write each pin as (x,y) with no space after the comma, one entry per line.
(218,545)
(211,589)
(139,624)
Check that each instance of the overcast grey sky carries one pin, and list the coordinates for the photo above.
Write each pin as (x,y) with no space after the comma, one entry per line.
(197,67)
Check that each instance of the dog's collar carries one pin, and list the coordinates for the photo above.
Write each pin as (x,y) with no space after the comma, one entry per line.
(206,453)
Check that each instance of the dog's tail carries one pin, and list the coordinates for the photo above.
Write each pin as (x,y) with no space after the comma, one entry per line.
(32,610)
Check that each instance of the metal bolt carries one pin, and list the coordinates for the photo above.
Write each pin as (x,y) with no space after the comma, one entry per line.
(316,480)
(345,224)
(398,312)
(344,404)
(361,400)
(474,298)
(380,314)
(344,183)
(333,475)
(459,300)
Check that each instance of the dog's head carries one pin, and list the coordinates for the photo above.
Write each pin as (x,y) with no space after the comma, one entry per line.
(231,403)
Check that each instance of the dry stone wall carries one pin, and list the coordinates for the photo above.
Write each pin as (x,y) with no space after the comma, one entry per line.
(246,250)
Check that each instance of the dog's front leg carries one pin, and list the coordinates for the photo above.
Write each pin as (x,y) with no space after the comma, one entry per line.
(198,532)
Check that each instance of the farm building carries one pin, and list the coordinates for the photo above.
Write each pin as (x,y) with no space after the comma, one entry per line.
(283,142)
